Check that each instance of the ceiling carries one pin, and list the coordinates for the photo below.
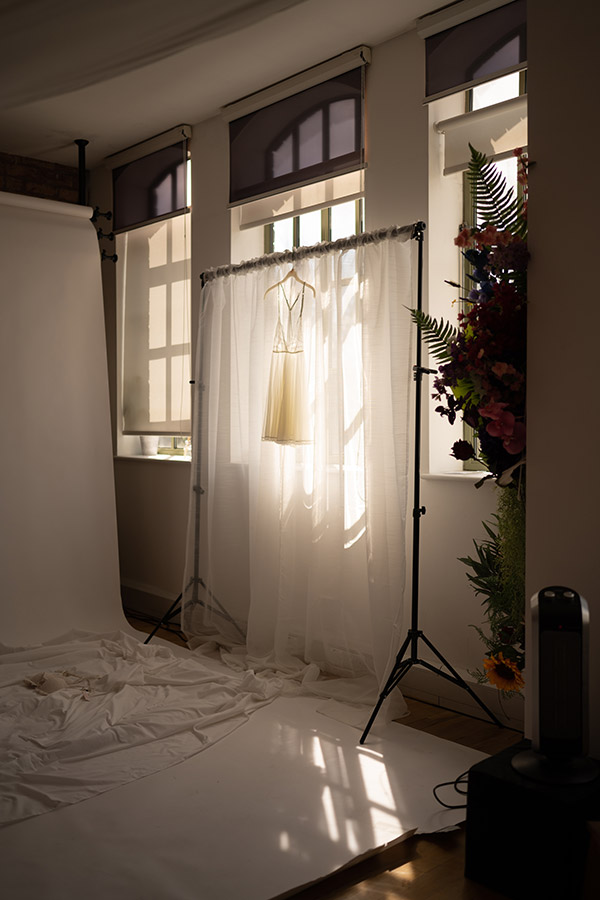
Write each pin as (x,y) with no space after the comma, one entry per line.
(118,72)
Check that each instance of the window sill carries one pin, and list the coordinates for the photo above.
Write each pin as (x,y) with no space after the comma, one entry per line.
(159,457)
(454,476)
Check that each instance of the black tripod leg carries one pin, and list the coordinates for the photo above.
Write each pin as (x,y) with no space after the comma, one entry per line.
(459,681)
(394,677)
(171,611)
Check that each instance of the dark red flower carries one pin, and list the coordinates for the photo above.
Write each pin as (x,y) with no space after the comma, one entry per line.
(462,450)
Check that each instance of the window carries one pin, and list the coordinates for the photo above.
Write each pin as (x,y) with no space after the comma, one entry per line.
(151,194)
(481,97)
(297,158)
(306,229)
(492,117)
(153,289)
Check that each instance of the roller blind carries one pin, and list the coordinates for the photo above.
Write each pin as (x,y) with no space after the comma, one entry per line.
(475,50)
(495,130)
(151,187)
(312,135)
(307,198)
(153,283)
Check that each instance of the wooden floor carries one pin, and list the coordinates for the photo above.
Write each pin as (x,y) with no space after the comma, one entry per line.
(426,867)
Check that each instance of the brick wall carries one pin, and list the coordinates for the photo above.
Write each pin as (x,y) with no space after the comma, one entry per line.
(37,178)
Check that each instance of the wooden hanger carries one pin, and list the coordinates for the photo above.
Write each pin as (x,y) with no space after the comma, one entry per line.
(291,274)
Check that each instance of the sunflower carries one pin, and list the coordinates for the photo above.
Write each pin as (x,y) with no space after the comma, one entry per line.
(504,673)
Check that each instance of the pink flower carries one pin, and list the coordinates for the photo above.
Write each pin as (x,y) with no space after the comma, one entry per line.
(502,426)
(488,236)
(493,410)
(515,443)
(464,238)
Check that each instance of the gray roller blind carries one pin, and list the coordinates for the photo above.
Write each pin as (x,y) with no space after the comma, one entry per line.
(150,188)
(314,134)
(153,284)
(477,50)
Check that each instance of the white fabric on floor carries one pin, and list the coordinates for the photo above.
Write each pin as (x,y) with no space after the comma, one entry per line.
(87,713)
(287,799)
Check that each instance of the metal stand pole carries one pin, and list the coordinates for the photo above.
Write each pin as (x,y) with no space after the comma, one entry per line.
(172,611)
(196,582)
(402,665)
(82,192)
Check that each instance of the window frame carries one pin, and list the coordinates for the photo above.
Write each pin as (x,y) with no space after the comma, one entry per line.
(269,229)
(176,445)
(469,215)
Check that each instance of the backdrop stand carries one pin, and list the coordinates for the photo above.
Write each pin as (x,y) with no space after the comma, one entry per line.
(196,581)
(175,609)
(402,665)
(172,611)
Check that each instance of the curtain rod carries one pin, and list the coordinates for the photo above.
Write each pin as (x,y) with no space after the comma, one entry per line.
(409,232)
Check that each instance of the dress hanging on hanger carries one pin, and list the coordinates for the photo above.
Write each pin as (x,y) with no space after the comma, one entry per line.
(287,418)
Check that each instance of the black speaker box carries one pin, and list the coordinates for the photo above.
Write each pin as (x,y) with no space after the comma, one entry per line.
(529,807)
(525,838)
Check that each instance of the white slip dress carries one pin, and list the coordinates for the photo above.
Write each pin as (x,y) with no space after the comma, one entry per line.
(287,418)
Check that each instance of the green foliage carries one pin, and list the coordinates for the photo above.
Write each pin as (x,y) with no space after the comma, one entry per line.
(495,201)
(437,335)
(511,527)
(498,576)
(486,578)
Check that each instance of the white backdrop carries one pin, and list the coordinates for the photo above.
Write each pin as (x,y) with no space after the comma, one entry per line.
(58,536)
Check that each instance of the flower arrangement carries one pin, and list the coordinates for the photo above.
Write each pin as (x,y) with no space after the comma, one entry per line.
(481,377)
(482,371)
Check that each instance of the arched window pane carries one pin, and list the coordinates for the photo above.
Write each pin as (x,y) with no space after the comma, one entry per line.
(292,142)
(283,158)
(342,128)
(310,140)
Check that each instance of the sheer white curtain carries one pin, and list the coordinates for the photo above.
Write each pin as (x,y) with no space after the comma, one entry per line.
(298,553)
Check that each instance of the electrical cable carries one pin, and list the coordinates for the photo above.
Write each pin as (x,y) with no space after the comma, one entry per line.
(456,785)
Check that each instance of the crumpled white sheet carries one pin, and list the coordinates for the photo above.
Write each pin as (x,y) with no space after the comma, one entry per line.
(126,710)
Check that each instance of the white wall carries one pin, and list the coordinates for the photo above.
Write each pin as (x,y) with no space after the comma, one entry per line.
(563,490)
(396,176)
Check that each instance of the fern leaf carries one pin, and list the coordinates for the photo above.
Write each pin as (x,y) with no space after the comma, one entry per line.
(495,200)
(437,335)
